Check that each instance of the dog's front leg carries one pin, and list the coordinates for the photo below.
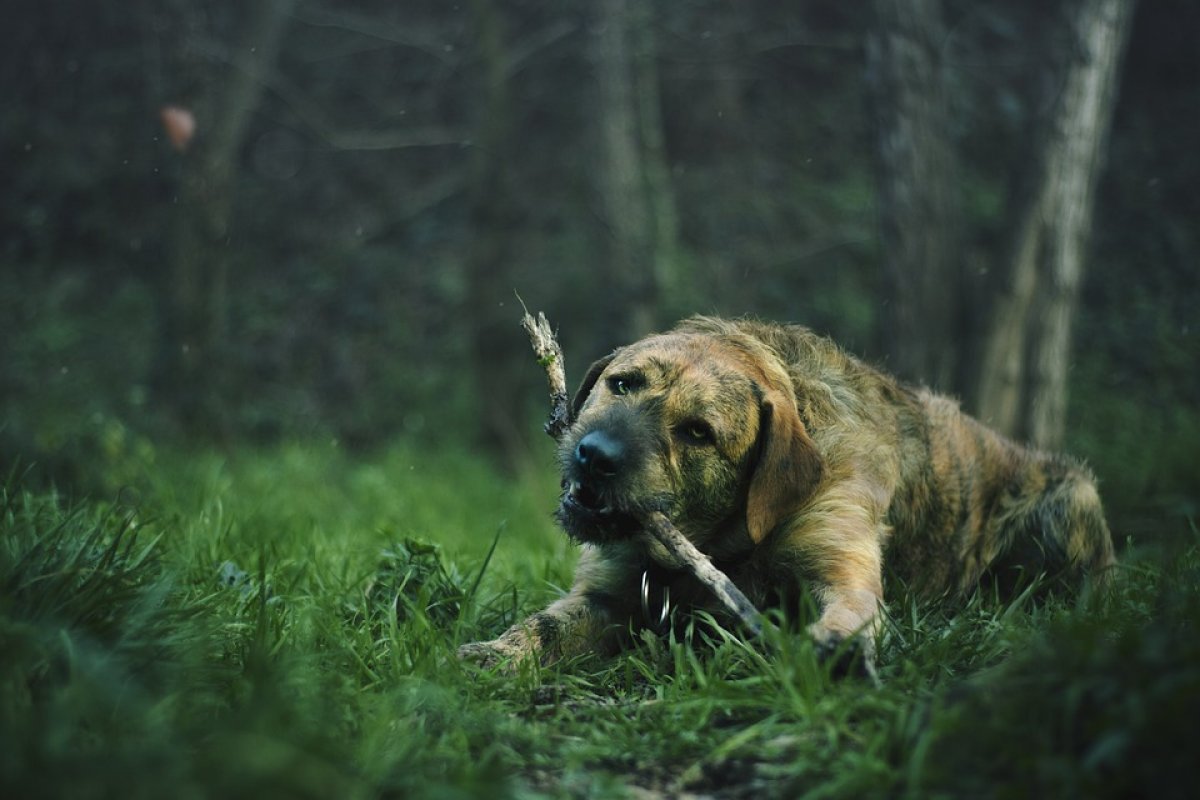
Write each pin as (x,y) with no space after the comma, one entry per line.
(847,611)
(587,620)
(840,539)
(571,626)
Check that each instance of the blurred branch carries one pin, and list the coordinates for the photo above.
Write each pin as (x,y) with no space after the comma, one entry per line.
(810,252)
(374,28)
(402,207)
(449,183)
(770,43)
(520,53)
(524,51)
(391,140)
(319,122)
(757,46)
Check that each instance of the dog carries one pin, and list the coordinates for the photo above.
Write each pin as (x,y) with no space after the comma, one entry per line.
(798,469)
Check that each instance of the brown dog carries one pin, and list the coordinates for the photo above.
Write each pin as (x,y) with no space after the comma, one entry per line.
(796,468)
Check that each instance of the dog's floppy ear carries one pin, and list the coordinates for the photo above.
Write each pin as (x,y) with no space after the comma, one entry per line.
(788,470)
(589,381)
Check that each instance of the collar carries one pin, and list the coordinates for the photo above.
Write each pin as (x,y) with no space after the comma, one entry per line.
(655,591)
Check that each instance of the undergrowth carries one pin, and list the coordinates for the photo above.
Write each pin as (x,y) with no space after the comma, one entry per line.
(283,624)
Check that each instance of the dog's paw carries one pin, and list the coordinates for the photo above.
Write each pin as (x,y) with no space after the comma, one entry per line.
(496,654)
(852,655)
(482,654)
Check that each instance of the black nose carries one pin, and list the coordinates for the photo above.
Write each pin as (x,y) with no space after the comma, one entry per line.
(600,455)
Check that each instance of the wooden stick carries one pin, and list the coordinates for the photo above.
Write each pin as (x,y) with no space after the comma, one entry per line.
(679,546)
(657,525)
(550,356)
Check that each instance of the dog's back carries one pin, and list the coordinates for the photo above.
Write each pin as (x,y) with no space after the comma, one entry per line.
(967,503)
(973,505)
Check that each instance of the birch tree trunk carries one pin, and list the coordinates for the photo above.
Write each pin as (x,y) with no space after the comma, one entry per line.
(919,231)
(1023,383)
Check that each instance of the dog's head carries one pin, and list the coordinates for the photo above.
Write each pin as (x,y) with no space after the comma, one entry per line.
(700,426)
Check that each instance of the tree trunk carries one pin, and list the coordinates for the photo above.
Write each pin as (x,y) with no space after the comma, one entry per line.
(622,174)
(919,230)
(197,297)
(664,215)
(1023,379)
(497,351)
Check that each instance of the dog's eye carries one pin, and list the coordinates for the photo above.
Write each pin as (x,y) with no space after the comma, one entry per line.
(624,384)
(696,432)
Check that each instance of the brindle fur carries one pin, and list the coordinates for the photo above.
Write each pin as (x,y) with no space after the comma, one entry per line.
(819,470)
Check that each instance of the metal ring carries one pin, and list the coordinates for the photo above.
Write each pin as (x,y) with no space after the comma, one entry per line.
(664,609)
(646,595)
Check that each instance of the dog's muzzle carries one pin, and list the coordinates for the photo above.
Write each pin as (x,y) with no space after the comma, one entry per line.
(595,503)
(599,458)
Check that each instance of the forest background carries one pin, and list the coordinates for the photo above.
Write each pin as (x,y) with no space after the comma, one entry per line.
(271,434)
(339,250)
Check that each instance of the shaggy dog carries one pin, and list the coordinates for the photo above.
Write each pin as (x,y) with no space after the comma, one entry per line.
(796,468)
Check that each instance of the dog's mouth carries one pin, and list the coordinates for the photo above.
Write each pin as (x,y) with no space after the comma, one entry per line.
(586,499)
(590,515)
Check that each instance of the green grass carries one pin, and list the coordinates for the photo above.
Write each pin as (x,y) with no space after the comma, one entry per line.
(283,623)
